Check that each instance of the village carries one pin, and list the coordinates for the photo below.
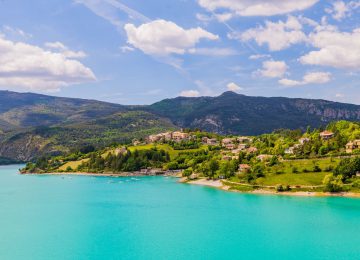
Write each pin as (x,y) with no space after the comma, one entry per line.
(294,158)
(231,147)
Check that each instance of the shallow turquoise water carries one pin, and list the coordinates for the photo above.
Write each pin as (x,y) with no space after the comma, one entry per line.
(52,217)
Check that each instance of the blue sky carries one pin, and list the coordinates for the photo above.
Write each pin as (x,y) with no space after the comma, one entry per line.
(139,52)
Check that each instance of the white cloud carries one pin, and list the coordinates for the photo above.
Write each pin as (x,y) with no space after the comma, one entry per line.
(309,78)
(126,48)
(290,82)
(221,17)
(204,18)
(336,49)
(233,87)
(273,69)
(277,36)
(15,31)
(213,51)
(259,56)
(29,67)
(317,77)
(190,93)
(58,46)
(162,37)
(257,7)
(341,10)
(108,10)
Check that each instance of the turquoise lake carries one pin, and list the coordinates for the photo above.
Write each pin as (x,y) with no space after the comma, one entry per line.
(54,217)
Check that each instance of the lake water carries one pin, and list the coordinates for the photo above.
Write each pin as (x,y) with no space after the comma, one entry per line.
(54,217)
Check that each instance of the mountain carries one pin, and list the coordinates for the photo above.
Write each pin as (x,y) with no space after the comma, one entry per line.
(52,140)
(33,124)
(232,113)
(21,110)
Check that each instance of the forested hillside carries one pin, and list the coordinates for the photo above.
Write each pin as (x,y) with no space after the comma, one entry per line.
(33,124)
(231,113)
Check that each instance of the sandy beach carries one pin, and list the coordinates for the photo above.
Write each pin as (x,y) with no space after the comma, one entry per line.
(210,183)
(219,185)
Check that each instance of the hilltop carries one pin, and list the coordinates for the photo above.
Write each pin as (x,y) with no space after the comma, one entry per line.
(232,113)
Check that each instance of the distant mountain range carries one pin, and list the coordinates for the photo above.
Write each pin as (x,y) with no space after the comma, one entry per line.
(33,124)
(232,113)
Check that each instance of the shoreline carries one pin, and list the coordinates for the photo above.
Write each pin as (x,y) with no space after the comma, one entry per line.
(115,175)
(219,185)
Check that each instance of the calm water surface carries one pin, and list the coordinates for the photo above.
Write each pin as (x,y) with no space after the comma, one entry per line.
(53,217)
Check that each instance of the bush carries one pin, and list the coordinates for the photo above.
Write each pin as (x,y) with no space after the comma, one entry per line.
(187,172)
(356,184)
(333,183)
(329,169)
(317,168)
(287,188)
(279,188)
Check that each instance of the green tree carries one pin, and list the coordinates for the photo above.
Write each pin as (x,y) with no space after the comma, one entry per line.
(211,167)
(273,161)
(333,183)
(187,172)
(347,168)
(227,169)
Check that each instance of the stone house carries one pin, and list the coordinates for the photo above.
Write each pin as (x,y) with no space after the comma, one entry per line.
(243,146)
(263,157)
(304,140)
(244,168)
(180,136)
(121,150)
(252,150)
(209,141)
(326,135)
(227,141)
(351,146)
(290,150)
(244,139)
(230,146)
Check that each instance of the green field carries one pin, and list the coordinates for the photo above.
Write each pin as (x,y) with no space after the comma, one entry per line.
(72,164)
(308,165)
(295,173)
(173,153)
(306,179)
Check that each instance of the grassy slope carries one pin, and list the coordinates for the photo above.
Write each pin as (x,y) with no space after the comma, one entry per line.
(72,164)
(287,166)
(173,153)
(282,173)
(307,179)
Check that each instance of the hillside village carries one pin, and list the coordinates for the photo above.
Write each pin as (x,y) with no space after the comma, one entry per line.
(289,157)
